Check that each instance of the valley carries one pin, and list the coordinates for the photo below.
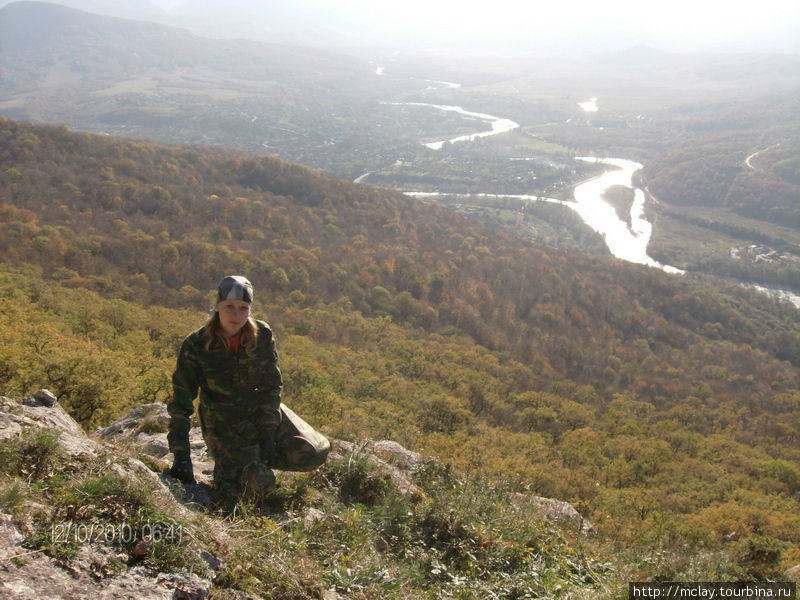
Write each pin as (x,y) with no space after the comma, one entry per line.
(552,275)
(436,181)
(392,120)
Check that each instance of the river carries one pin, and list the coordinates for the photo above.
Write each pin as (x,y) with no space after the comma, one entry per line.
(624,242)
(497,124)
(627,243)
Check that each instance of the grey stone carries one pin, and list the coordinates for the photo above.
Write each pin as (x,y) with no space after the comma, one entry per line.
(127,431)
(562,512)
(399,478)
(212,561)
(41,398)
(10,426)
(792,574)
(46,397)
(10,537)
(395,452)
(198,494)
(312,517)
(154,444)
(15,416)
(128,424)
(96,573)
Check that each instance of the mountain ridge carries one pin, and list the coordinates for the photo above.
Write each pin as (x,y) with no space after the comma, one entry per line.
(31,23)
(28,23)
(126,9)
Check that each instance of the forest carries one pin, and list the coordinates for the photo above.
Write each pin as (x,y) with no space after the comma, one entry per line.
(666,408)
(728,181)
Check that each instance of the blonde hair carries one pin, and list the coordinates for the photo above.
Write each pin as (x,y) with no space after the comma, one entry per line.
(213,331)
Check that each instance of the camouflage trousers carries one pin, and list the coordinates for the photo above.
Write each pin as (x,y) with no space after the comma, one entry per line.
(241,466)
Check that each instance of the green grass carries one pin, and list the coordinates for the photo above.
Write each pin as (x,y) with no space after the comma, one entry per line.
(34,455)
(717,216)
(526,141)
(12,493)
(678,242)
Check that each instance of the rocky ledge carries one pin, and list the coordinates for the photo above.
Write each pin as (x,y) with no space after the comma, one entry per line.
(134,448)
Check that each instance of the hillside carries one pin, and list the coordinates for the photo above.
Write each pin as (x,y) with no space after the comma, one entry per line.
(119,76)
(726,182)
(126,9)
(96,51)
(665,408)
(94,518)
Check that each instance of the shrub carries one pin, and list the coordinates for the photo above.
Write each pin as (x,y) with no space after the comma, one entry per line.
(12,493)
(153,424)
(760,556)
(357,481)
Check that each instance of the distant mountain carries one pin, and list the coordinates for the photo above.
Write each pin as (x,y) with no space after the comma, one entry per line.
(91,40)
(308,24)
(750,72)
(113,75)
(126,9)
(640,53)
(286,19)
(41,27)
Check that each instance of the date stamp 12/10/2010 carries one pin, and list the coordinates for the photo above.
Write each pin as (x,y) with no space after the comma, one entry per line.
(82,532)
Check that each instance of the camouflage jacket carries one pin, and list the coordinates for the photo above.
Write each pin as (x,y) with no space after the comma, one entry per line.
(235,389)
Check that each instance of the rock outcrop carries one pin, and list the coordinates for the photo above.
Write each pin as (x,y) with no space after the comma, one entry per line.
(98,572)
(145,428)
(26,575)
(399,475)
(14,417)
(558,511)
(139,428)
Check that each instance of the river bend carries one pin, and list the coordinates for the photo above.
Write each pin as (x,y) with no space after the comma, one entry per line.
(625,242)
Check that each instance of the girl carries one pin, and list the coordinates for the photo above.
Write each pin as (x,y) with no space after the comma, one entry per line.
(233,363)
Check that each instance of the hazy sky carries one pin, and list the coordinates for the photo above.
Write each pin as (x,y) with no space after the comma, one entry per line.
(769,25)
(672,24)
